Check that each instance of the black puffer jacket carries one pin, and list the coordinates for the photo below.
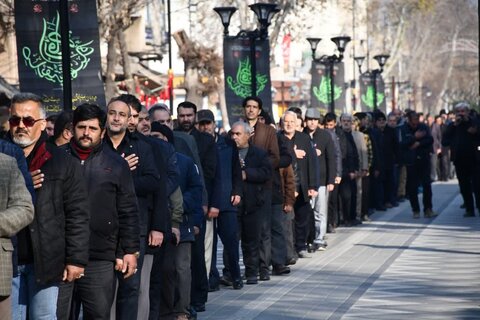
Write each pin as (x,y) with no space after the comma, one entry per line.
(60,229)
(113,205)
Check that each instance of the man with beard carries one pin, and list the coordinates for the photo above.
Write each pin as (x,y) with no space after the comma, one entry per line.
(146,179)
(54,247)
(114,224)
(186,112)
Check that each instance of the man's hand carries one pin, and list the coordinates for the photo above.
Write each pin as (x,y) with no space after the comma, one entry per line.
(205,210)
(176,234)
(312,193)
(287,208)
(196,230)
(129,266)
(319,152)
(415,145)
(330,187)
(244,175)
(338,180)
(155,238)
(72,273)
(37,177)
(419,134)
(472,130)
(213,213)
(299,153)
(132,161)
(352,175)
(376,173)
(235,200)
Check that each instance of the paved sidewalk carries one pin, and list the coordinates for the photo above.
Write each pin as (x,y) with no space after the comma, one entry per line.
(394,267)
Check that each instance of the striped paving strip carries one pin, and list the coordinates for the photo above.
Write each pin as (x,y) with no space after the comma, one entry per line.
(330,283)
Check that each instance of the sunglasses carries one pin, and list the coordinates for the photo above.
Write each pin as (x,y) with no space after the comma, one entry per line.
(27,121)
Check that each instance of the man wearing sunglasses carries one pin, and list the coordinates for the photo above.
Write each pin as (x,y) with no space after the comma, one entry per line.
(54,247)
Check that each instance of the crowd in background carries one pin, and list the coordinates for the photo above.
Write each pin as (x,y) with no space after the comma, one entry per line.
(129,204)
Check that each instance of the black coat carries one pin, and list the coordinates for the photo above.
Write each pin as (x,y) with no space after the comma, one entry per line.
(207,152)
(407,139)
(114,219)
(258,172)
(60,228)
(146,178)
(285,161)
(307,165)
(350,161)
(322,140)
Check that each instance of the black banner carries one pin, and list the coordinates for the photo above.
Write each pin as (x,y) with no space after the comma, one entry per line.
(367,92)
(320,91)
(238,75)
(39,52)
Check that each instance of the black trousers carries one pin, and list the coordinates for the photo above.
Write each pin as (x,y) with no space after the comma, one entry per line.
(155,291)
(333,207)
(467,184)
(250,229)
(279,244)
(303,214)
(346,194)
(365,195)
(199,290)
(418,175)
(95,291)
(265,252)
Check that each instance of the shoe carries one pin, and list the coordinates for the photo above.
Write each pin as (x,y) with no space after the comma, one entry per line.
(213,288)
(429,213)
(388,205)
(330,229)
(469,214)
(395,204)
(198,307)
(291,261)
(264,276)
(304,254)
(184,317)
(416,214)
(322,247)
(252,280)
(381,208)
(366,218)
(356,222)
(238,284)
(225,281)
(312,247)
(463,206)
(280,269)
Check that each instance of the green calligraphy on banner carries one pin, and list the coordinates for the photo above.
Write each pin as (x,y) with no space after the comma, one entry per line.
(369,97)
(242,85)
(322,92)
(47,62)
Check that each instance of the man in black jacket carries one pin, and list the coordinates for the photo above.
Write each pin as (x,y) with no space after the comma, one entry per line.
(54,247)
(462,137)
(306,165)
(207,151)
(146,179)
(114,223)
(325,151)
(416,146)
(256,172)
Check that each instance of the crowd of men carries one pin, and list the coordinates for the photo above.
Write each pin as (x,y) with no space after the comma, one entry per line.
(116,213)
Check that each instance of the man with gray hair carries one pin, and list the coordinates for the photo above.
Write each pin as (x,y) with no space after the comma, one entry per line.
(256,172)
(54,247)
(462,137)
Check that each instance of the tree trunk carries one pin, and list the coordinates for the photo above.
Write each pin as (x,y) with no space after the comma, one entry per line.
(127,68)
(110,85)
(193,87)
(223,106)
(449,70)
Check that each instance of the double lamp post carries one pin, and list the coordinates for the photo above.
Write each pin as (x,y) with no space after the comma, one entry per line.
(330,61)
(264,13)
(373,74)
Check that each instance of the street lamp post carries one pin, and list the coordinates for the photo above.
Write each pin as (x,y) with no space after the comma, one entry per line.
(329,61)
(264,13)
(381,60)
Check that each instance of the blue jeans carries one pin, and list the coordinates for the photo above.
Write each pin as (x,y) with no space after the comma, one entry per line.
(319,204)
(40,299)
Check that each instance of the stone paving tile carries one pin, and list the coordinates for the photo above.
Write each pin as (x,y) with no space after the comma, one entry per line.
(392,268)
